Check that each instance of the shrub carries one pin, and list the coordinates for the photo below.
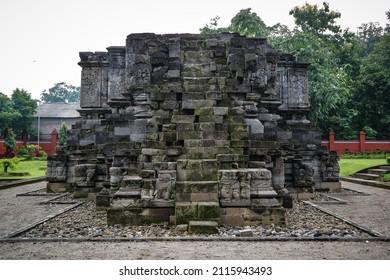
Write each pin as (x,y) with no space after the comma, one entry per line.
(42,154)
(22,152)
(62,135)
(33,150)
(9,164)
(366,155)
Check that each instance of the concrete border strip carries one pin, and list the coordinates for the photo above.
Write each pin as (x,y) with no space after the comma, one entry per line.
(52,200)
(197,239)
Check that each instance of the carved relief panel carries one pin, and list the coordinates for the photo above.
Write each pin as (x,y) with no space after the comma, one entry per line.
(116,74)
(298,96)
(94,79)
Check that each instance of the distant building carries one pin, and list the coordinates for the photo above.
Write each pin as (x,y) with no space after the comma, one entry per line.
(51,116)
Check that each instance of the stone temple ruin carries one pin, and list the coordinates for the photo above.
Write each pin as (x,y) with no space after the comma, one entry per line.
(192,129)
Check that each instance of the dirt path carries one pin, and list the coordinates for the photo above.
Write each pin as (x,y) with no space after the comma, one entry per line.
(298,250)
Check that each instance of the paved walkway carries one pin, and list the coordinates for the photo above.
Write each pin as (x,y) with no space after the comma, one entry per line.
(371,211)
(19,211)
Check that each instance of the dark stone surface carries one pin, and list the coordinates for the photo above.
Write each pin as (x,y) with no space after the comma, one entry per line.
(190,106)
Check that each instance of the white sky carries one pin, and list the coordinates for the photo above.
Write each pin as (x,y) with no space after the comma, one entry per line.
(40,39)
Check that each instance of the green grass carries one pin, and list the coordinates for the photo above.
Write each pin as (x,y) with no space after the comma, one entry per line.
(351,166)
(36,168)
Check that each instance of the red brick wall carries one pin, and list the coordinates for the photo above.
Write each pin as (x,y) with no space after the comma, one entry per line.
(48,146)
(355,146)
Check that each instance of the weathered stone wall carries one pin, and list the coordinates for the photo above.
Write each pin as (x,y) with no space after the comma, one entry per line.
(180,123)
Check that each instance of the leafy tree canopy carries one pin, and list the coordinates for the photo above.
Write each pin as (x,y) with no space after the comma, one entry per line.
(387,28)
(368,35)
(212,27)
(61,92)
(17,112)
(248,23)
(26,106)
(8,115)
(373,90)
(311,18)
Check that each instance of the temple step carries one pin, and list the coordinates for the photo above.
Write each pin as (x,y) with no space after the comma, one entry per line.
(203,227)
(366,176)
(387,167)
(378,171)
(196,211)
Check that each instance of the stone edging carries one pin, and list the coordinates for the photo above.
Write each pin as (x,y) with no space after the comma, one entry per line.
(193,239)
(21,182)
(366,182)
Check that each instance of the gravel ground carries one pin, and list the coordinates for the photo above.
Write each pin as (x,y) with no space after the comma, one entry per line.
(303,221)
(84,221)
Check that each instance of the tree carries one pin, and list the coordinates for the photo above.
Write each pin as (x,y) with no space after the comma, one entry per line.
(10,142)
(212,28)
(8,115)
(61,92)
(17,112)
(244,22)
(373,90)
(26,106)
(62,135)
(368,35)
(387,28)
(9,163)
(249,24)
(335,60)
(320,21)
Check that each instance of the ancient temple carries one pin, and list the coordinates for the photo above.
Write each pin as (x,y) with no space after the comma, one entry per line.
(189,129)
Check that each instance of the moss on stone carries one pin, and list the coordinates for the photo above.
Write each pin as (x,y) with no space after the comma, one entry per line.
(204,112)
(185,212)
(208,210)
(203,227)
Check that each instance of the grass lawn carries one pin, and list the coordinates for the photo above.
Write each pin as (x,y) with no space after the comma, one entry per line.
(36,168)
(351,166)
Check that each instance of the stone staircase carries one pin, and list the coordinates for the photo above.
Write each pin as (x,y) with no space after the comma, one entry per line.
(213,168)
(203,137)
(372,173)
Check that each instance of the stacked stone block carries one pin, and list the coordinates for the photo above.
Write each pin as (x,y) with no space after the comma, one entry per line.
(193,129)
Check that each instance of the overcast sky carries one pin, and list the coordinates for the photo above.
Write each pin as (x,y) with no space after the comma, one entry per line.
(41,39)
